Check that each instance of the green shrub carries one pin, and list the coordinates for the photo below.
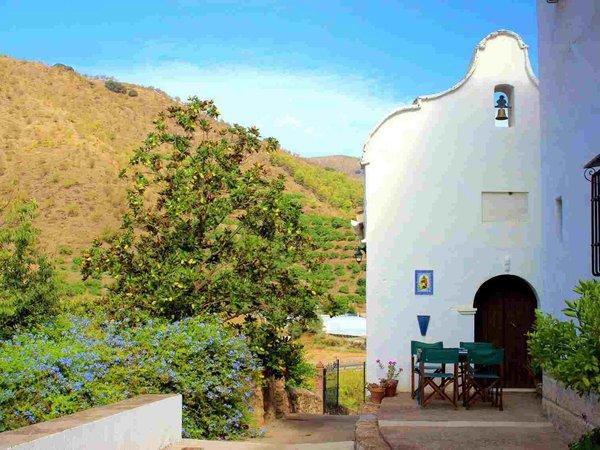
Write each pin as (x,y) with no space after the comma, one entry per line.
(589,441)
(570,350)
(361,287)
(132,93)
(115,86)
(338,304)
(65,250)
(343,289)
(74,364)
(63,67)
(28,291)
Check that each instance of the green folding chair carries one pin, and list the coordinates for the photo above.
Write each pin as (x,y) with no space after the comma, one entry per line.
(461,370)
(484,375)
(415,346)
(443,357)
(476,345)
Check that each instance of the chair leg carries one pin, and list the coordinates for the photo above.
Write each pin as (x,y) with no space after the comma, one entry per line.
(455,388)
(412,377)
(501,408)
(422,382)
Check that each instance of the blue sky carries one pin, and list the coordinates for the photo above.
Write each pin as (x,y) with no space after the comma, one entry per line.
(317,75)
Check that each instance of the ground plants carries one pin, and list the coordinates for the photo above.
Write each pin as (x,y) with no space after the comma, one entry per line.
(570,350)
(336,188)
(589,441)
(75,363)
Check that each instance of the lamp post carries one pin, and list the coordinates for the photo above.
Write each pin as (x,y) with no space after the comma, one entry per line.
(358,253)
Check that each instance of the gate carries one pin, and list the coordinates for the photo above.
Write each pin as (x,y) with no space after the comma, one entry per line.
(343,387)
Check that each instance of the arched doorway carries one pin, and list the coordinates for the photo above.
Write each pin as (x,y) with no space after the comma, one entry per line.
(505,313)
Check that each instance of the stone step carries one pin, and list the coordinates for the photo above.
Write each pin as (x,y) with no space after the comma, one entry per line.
(199,444)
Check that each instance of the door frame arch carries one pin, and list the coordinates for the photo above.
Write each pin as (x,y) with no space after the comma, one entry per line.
(510,299)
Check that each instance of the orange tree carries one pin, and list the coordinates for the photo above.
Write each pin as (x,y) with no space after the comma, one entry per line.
(209,232)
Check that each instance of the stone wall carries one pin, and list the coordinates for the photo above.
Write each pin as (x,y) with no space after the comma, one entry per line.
(570,413)
(305,401)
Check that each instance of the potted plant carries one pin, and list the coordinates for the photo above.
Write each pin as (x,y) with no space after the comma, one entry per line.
(390,382)
(377,392)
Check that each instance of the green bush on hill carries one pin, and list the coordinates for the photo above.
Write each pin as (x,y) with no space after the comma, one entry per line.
(115,86)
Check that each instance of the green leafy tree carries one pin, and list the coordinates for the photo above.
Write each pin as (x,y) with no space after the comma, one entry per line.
(209,232)
(28,292)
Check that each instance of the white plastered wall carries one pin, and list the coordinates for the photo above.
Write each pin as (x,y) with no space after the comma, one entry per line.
(426,168)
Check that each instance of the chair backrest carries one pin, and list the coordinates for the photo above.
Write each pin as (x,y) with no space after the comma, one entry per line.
(416,345)
(440,355)
(487,357)
(476,345)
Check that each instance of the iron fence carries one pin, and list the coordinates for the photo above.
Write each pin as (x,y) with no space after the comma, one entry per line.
(344,387)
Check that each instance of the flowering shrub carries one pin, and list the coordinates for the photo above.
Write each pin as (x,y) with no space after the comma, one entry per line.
(74,364)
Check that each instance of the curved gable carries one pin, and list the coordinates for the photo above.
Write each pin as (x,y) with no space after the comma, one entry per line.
(418,101)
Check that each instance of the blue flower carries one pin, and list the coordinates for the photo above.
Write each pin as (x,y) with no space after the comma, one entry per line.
(29,416)
(65,361)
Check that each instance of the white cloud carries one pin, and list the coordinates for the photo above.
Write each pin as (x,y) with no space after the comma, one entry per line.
(309,113)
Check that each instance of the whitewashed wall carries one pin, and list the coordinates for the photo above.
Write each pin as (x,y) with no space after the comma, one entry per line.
(145,422)
(569,59)
(426,169)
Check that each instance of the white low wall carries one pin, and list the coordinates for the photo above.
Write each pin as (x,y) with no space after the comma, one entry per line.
(148,422)
(571,414)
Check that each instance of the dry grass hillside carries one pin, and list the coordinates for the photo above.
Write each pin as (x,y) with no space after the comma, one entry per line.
(63,140)
(64,137)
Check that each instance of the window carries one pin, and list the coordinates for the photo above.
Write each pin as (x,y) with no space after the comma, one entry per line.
(504,206)
(503,106)
(558,211)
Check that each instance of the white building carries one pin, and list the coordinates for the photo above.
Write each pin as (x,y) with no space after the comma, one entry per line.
(450,189)
(569,59)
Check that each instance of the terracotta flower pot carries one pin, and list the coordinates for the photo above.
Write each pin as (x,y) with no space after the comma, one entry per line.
(390,388)
(377,394)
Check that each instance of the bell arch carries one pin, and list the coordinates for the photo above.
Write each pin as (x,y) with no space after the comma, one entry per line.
(504,105)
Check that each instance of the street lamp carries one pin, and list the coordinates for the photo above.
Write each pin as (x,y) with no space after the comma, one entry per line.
(358,253)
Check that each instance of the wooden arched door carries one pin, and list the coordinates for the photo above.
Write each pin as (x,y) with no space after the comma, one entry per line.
(505,313)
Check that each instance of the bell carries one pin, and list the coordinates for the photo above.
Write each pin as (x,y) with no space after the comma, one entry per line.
(501,114)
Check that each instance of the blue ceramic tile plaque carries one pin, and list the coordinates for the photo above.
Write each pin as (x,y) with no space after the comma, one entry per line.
(424,282)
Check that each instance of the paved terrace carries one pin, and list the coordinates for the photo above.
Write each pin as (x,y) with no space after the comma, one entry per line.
(405,425)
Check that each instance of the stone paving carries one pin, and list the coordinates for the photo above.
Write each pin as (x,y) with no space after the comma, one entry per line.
(296,431)
(405,425)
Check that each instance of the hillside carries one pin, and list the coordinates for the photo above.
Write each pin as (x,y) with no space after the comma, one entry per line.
(64,137)
(349,165)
